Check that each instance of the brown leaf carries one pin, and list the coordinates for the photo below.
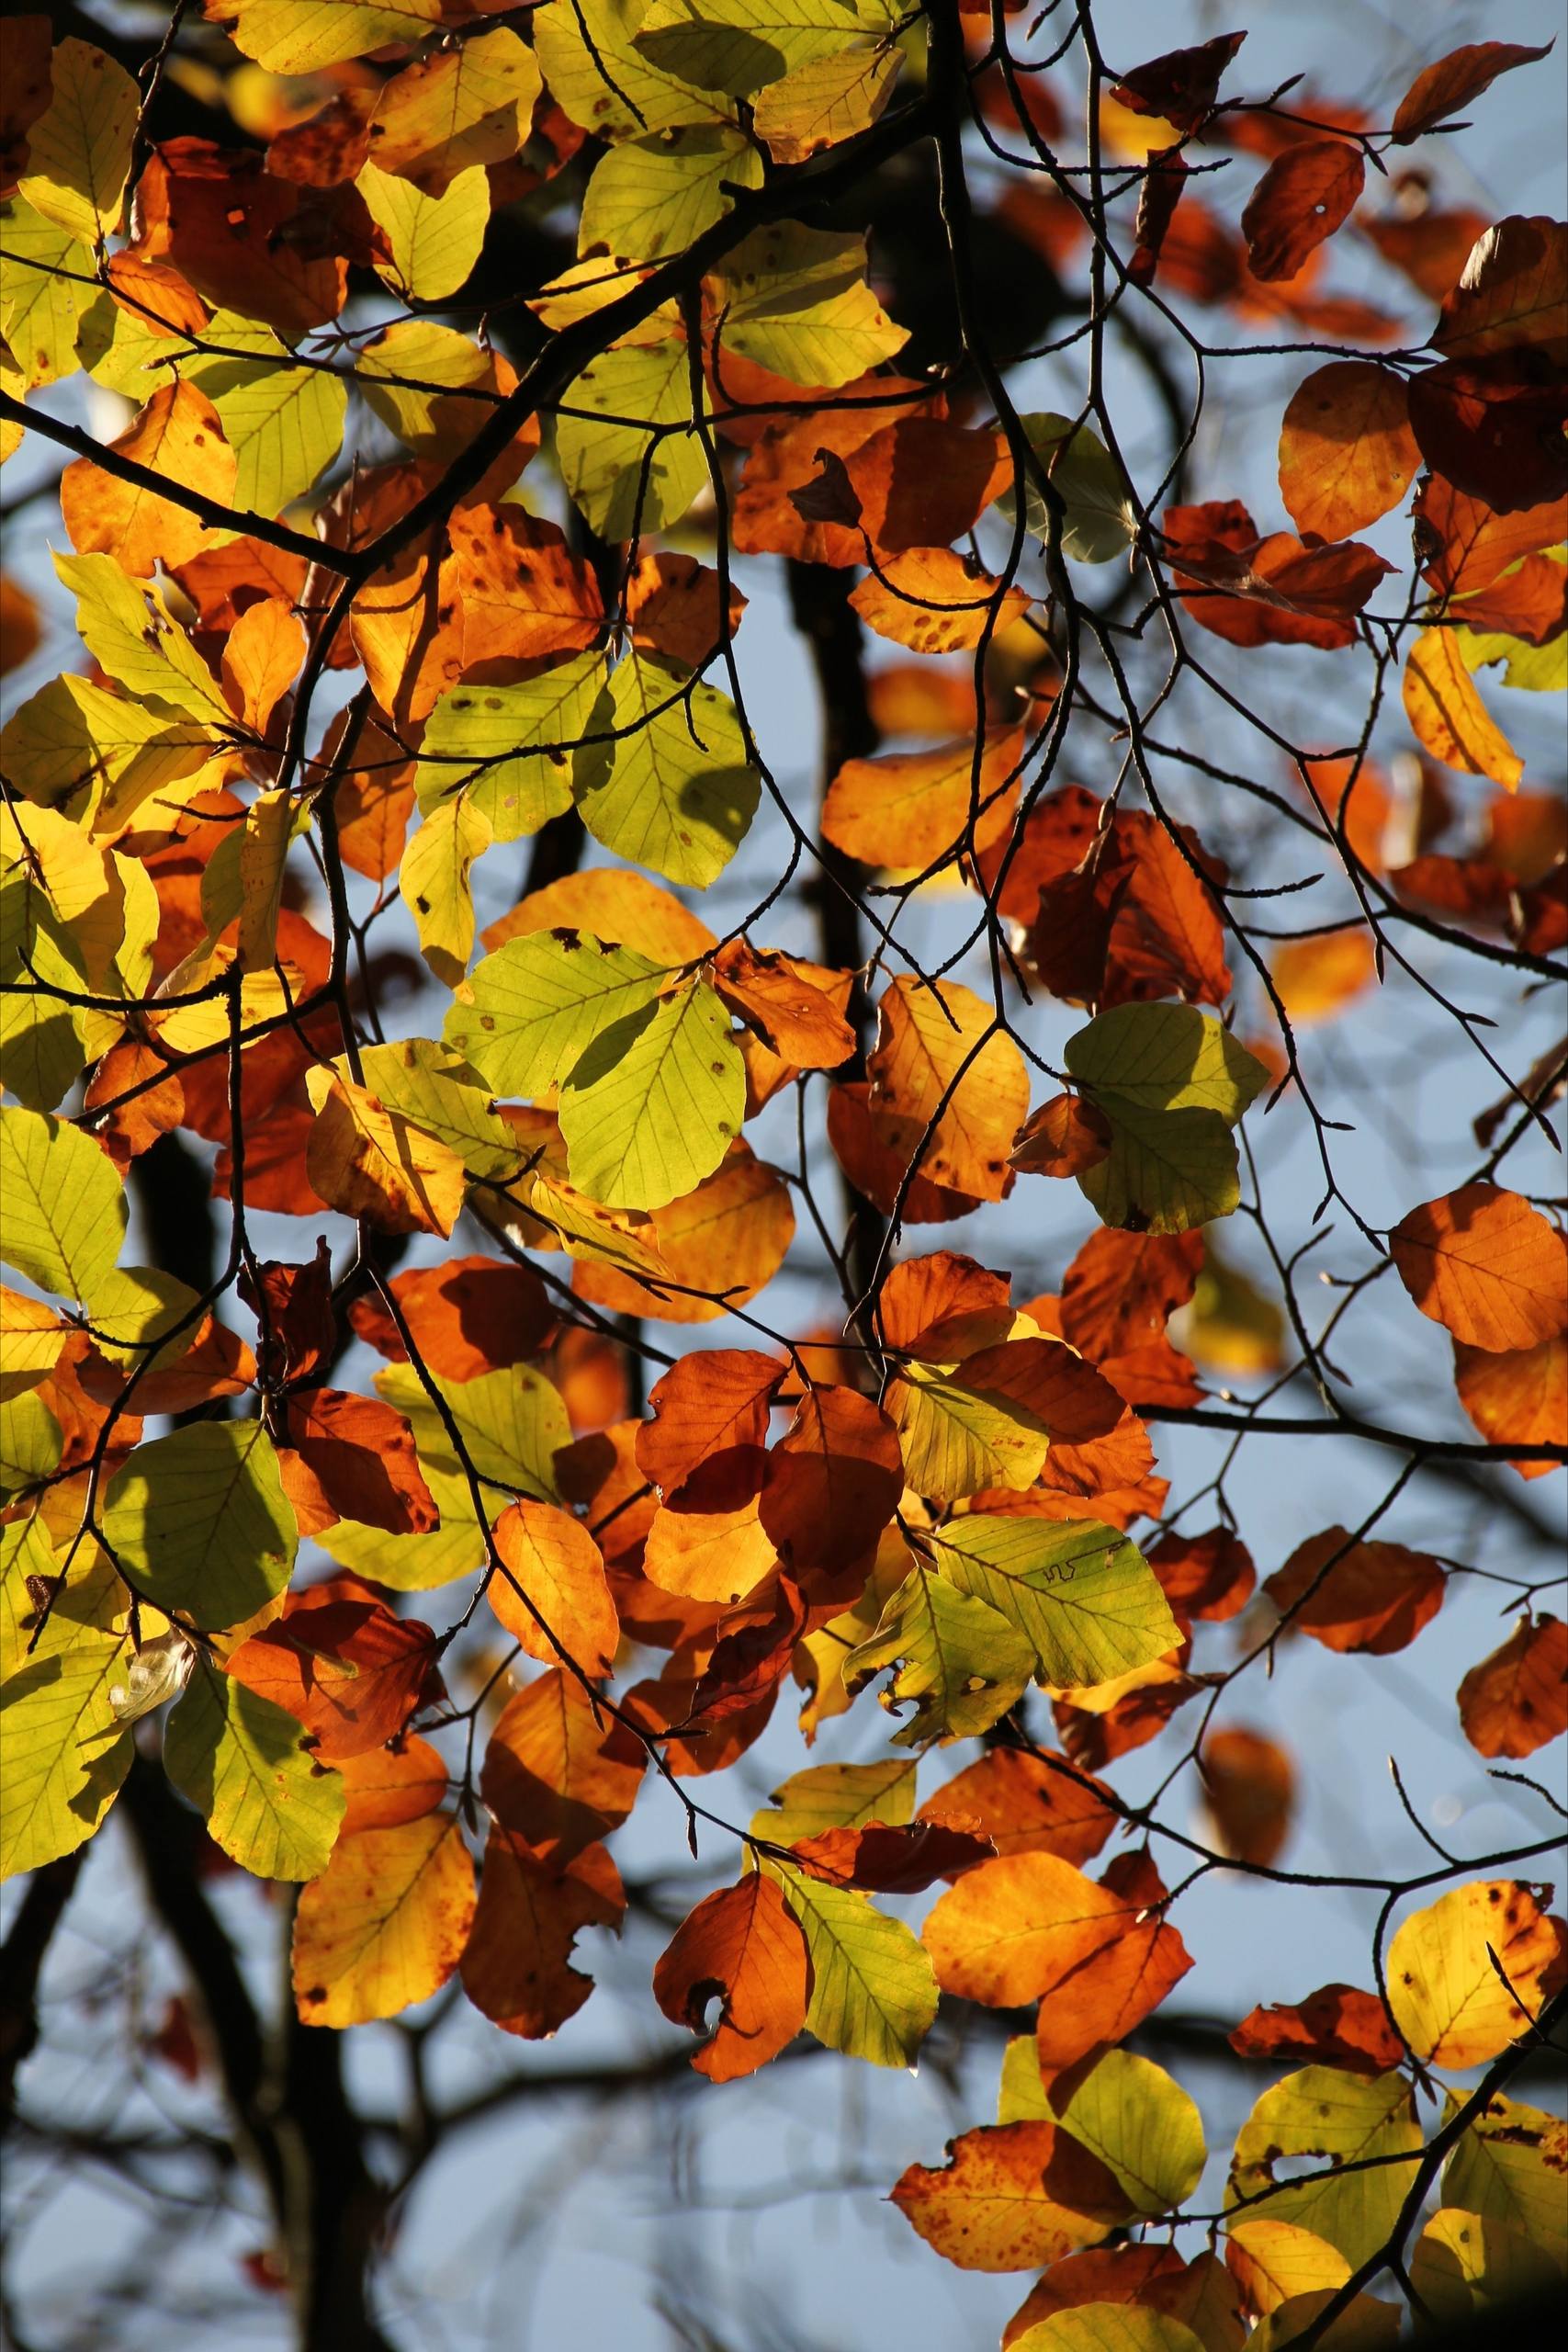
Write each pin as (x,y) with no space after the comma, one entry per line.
(1066,1137)
(1249,1788)
(1257,592)
(771,994)
(516,1964)
(942,1306)
(1441,90)
(1494,425)
(246,241)
(723,1243)
(1306,193)
(352,1457)
(1207,1576)
(1375,1597)
(834,1481)
(884,1859)
(1517,1699)
(743,1947)
(1337,2026)
(1180,86)
(1512,291)
(387,1786)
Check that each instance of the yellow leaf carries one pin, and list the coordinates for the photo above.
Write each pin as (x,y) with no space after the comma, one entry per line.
(435,887)
(65,1207)
(433,240)
(66,1753)
(1445,710)
(303,36)
(79,152)
(386,1923)
(371,1162)
(461,106)
(240,1759)
(1447,1968)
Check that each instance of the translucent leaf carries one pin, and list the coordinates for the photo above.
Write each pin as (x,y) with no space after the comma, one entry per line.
(433,240)
(1140,2123)
(649,197)
(603,82)
(960,1664)
(303,36)
(628,477)
(1083,1598)
(652,1106)
(79,150)
(66,1753)
(1099,522)
(873,1994)
(742,45)
(386,1923)
(526,1015)
(1509,2168)
(46,284)
(65,1207)
(200,1520)
(283,421)
(128,629)
(1331,2116)
(796,300)
(434,884)
(670,787)
(240,1759)
(506,749)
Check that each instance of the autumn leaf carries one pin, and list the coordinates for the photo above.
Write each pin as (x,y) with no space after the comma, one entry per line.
(386,1923)
(1486,1265)
(743,1947)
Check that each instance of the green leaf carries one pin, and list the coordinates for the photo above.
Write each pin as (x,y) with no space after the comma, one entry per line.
(46,284)
(526,1015)
(1172,1083)
(512,1422)
(30,1444)
(960,1665)
(202,1523)
(242,1761)
(1509,2167)
(585,48)
(1083,1597)
(1107,2327)
(957,1440)
(41,1047)
(835,1797)
(1100,523)
(79,150)
(73,737)
(434,884)
(65,1208)
(436,1090)
(649,197)
(670,787)
(796,301)
(742,45)
(655,1103)
(1140,2123)
(1327,2114)
(627,478)
(430,421)
(65,1751)
(433,240)
(126,626)
(1021,2095)
(283,421)
(506,749)
(874,1991)
(136,1306)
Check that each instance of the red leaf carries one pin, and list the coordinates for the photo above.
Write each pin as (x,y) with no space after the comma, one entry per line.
(351,1671)
(885,1861)
(1337,2026)
(1493,426)
(468,1315)
(1180,86)
(1302,198)
(834,1481)
(1374,1597)
(710,1419)
(1441,90)
(293,1306)
(744,1947)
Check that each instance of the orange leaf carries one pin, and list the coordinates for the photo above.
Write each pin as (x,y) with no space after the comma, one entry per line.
(468,1317)
(912,808)
(716,1556)
(554,1774)
(550,1560)
(921,481)
(672,604)
(353,1457)
(372,1162)
(1517,1699)
(516,1965)
(1375,1597)
(1028,1805)
(1306,193)
(744,1946)
(834,1481)
(524,593)
(874,1167)
(1516,1396)
(943,1307)
(386,1786)
(1250,1784)
(244,240)
(712,1408)
(771,995)
(386,1923)
(1012,2196)
(1316,978)
(722,1244)
(1153,2277)
(1446,714)
(1066,1137)
(1122,1288)
(1254,591)
(1337,2026)
(261,655)
(1466,545)
(1347,453)
(351,1671)
(1030,1927)
(177,435)
(1487,1266)
(936,601)
(784,459)
(949,1090)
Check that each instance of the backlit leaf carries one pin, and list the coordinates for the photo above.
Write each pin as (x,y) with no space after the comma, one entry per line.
(743,1947)
(201,1521)
(240,1759)
(385,1924)
(1447,1992)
